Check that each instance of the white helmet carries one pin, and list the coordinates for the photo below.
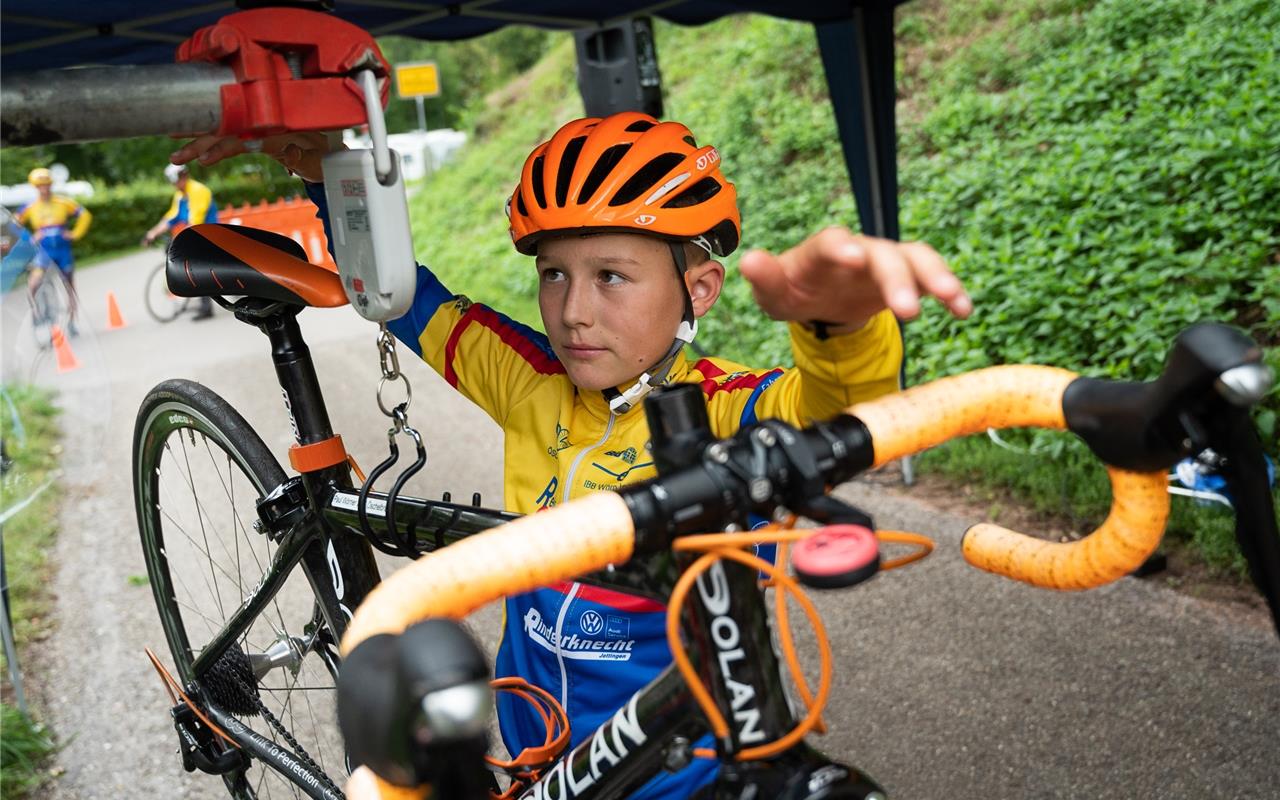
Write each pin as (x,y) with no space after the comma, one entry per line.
(173,172)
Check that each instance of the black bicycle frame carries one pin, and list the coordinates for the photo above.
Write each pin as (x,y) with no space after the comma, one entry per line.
(725,619)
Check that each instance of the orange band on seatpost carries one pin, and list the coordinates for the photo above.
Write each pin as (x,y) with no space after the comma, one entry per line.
(312,457)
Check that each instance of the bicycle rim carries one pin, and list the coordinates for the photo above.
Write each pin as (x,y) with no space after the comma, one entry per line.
(198,471)
(163,305)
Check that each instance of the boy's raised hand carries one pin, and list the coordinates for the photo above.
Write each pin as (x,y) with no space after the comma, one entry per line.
(300,153)
(844,279)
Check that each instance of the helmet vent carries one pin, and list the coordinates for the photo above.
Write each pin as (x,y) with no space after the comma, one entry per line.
(567,163)
(639,126)
(646,178)
(539,194)
(689,140)
(520,206)
(607,161)
(699,193)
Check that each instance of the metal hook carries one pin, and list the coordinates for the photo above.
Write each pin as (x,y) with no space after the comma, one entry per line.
(362,505)
(406,542)
(377,124)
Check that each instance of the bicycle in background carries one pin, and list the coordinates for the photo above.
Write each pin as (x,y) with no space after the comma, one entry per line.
(162,304)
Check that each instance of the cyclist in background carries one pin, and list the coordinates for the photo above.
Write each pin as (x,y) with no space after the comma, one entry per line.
(192,205)
(55,223)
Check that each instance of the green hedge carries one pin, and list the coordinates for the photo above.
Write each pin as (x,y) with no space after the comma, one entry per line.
(122,214)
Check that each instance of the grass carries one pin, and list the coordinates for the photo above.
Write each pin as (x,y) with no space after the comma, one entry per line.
(31,439)
(23,748)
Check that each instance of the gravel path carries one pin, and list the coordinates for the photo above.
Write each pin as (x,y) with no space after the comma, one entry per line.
(949,682)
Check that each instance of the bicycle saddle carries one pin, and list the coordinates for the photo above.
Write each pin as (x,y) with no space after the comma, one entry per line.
(215,260)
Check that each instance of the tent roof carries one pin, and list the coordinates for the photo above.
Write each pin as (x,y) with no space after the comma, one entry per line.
(42,35)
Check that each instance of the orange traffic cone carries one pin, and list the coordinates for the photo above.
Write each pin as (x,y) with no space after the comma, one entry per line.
(66,358)
(115,319)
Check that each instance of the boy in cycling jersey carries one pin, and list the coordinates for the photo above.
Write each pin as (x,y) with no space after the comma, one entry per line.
(55,222)
(626,219)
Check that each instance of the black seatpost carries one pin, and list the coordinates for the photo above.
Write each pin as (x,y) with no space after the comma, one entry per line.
(297,375)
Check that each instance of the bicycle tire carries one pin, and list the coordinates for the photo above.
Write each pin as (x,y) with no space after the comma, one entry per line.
(187,440)
(162,305)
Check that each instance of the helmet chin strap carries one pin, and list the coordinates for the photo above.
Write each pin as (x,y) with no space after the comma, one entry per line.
(658,374)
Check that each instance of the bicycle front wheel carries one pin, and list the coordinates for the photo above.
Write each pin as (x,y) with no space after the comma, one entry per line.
(163,305)
(198,472)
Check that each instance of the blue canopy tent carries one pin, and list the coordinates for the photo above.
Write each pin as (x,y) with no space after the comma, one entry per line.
(855,38)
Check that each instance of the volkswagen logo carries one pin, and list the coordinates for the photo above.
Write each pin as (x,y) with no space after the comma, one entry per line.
(591,623)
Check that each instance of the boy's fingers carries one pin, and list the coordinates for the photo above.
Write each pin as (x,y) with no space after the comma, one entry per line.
(832,247)
(224,148)
(936,278)
(208,150)
(769,282)
(840,246)
(893,275)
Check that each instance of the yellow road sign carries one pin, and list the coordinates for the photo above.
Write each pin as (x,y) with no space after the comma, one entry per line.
(417,80)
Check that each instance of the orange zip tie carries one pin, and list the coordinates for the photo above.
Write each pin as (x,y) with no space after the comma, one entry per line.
(172,685)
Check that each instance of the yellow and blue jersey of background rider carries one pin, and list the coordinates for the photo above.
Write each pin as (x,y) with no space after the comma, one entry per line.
(56,223)
(191,207)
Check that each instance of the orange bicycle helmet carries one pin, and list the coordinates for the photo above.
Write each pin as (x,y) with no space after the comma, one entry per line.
(625,173)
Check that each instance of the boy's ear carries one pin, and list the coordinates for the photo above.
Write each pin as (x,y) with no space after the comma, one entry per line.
(704,283)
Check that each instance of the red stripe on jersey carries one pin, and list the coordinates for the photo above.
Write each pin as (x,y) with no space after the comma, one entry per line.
(706,367)
(748,381)
(530,352)
(620,601)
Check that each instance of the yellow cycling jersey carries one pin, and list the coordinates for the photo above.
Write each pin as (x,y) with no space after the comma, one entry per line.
(56,212)
(51,223)
(561,442)
(193,206)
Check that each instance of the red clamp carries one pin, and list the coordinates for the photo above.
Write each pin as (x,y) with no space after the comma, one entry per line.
(293,70)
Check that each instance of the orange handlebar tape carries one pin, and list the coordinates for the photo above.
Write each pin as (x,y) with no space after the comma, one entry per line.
(996,397)
(1013,396)
(533,551)
(317,456)
(1129,534)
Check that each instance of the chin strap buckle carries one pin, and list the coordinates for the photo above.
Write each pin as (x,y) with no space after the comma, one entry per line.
(622,402)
